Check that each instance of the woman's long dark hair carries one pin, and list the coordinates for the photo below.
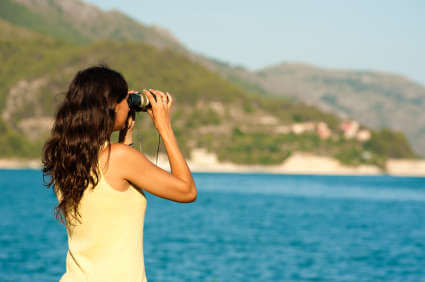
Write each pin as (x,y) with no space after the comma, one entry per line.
(84,122)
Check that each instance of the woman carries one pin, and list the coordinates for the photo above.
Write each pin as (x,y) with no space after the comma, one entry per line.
(100,186)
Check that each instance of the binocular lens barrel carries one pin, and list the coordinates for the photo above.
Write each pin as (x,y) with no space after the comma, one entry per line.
(139,102)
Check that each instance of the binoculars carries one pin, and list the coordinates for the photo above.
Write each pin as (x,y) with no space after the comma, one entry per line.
(139,102)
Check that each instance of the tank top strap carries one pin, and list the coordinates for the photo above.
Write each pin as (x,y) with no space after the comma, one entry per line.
(102,147)
(104,144)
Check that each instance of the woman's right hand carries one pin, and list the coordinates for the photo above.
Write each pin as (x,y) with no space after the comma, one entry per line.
(161,107)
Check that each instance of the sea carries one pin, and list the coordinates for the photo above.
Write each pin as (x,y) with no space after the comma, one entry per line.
(242,227)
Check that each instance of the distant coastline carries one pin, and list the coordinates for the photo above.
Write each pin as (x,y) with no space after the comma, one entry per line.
(303,163)
(14,163)
(297,163)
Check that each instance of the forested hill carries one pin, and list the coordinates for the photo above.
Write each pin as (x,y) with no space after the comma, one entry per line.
(79,22)
(379,99)
(210,112)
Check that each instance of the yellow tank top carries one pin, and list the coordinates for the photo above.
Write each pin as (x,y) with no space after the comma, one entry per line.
(108,244)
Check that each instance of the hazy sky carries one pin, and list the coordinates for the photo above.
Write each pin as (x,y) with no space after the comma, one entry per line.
(362,34)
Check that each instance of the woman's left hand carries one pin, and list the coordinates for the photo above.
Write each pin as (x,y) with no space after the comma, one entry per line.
(128,138)
(130,124)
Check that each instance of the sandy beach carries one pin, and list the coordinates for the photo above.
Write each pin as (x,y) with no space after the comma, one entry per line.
(297,163)
(303,163)
(20,164)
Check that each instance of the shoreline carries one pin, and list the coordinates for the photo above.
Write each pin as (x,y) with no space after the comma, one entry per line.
(298,163)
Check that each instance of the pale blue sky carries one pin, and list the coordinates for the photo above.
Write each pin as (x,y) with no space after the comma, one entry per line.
(359,35)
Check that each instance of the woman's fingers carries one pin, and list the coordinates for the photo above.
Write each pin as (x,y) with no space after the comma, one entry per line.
(160,110)
(158,93)
(150,113)
(165,98)
(170,100)
(150,97)
(131,123)
(160,98)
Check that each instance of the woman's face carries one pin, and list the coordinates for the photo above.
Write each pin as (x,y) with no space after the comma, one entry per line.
(121,113)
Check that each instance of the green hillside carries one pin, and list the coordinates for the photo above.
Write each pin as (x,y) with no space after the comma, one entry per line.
(78,22)
(52,24)
(210,112)
(378,99)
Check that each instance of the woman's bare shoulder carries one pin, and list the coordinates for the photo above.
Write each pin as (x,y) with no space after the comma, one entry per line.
(117,149)
(113,163)
(122,156)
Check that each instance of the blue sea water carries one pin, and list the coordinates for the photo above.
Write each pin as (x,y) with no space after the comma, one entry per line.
(243,227)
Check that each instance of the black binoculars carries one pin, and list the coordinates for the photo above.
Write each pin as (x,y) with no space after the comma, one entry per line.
(139,102)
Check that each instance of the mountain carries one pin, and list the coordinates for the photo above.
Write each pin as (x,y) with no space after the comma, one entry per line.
(375,98)
(79,22)
(378,99)
(238,125)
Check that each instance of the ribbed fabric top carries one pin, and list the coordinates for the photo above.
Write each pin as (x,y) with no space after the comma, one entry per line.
(108,244)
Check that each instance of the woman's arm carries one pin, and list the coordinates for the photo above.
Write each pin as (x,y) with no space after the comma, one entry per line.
(178,165)
(178,185)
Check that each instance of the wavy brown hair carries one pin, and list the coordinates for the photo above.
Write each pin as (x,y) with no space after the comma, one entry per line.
(84,122)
